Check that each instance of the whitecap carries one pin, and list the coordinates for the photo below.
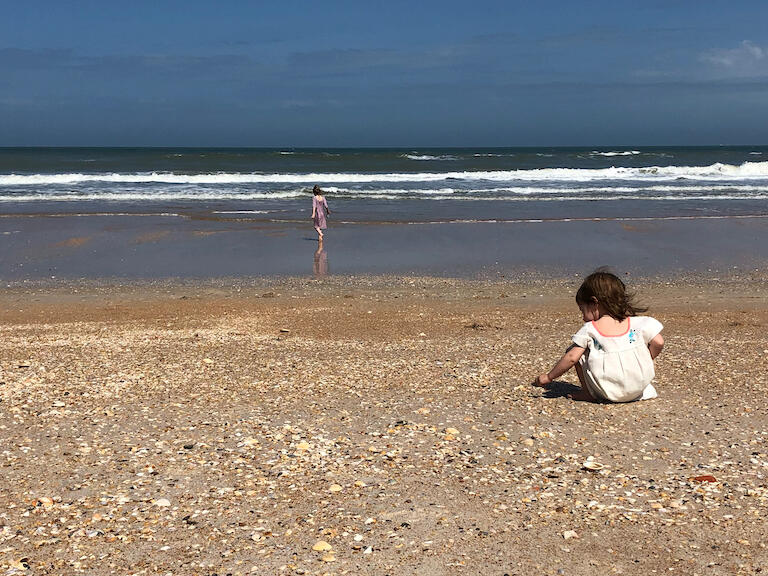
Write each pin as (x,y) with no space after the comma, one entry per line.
(427,157)
(620,153)
(714,173)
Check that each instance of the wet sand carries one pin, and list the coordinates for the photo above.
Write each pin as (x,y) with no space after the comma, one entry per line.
(206,246)
(373,425)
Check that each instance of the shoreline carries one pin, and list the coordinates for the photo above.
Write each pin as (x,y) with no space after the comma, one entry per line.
(155,247)
(713,286)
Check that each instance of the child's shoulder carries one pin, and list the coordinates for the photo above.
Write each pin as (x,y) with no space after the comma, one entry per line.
(586,327)
(647,323)
(642,319)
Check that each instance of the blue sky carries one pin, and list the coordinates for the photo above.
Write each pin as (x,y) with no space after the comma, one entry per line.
(395,73)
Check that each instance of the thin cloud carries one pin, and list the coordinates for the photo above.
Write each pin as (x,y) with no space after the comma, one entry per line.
(356,60)
(22,59)
(747,59)
(493,39)
(58,60)
(169,64)
(297,104)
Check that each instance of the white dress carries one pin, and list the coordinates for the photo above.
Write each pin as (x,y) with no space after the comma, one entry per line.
(619,368)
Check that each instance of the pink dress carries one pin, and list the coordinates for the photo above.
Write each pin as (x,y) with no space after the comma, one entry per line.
(320,206)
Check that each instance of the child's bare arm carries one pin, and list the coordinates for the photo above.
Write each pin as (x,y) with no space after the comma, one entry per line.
(563,365)
(656,345)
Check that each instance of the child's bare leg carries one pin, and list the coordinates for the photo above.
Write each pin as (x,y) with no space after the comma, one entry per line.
(583,394)
(319,232)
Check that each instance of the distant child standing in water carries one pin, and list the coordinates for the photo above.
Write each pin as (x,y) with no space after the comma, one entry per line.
(614,351)
(319,211)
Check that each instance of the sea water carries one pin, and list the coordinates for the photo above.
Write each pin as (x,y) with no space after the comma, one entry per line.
(368,185)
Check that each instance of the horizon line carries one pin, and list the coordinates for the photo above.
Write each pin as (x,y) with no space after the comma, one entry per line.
(377,147)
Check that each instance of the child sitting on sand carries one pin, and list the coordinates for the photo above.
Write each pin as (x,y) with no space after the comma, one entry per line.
(614,350)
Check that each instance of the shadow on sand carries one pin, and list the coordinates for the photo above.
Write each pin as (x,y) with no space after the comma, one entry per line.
(559,389)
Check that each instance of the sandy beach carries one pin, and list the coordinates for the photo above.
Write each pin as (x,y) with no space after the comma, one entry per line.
(382,425)
(193,384)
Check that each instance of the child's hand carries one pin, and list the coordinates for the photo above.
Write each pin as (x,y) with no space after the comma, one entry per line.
(542,381)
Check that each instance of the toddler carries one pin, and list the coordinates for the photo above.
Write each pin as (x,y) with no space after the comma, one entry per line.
(320,211)
(614,350)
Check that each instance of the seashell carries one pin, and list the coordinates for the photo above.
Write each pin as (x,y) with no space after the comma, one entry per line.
(45,502)
(592,465)
(322,546)
(22,564)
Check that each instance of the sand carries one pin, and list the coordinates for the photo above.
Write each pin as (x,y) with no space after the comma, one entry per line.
(202,246)
(373,426)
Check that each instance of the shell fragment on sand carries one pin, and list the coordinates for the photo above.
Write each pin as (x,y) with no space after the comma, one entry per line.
(322,546)
(592,465)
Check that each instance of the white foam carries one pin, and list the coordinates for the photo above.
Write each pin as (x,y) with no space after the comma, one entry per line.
(592,198)
(713,172)
(144,197)
(395,192)
(529,190)
(493,155)
(739,191)
(428,157)
(648,191)
(243,211)
(593,219)
(622,153)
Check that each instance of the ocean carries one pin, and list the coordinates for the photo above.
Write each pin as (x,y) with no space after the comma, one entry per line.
(368,185)
(212,213)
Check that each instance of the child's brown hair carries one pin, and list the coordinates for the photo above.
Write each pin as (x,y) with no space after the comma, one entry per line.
(609,291)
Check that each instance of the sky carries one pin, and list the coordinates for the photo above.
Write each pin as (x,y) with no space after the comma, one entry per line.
(395,73)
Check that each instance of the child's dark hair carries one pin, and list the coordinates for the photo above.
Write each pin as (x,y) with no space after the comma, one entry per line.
(610,292)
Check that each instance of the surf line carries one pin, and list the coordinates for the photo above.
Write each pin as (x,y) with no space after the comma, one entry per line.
(591,219)
(513,220)
(84,214)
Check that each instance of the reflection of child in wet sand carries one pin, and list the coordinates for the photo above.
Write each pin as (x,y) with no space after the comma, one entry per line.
(320,266)
(614,350)
(319,211)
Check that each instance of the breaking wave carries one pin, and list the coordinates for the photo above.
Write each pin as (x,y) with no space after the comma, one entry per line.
(714,172)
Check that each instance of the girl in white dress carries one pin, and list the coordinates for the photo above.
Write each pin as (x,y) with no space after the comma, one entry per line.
(613,352)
